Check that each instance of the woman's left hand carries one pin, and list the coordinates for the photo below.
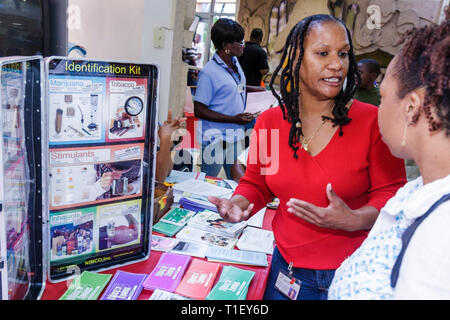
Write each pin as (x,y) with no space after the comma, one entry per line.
(337,215)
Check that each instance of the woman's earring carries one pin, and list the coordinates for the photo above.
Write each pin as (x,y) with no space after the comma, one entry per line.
(410,108)
(227,51)
(404,136)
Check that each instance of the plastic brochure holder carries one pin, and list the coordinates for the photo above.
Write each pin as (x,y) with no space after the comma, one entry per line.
(21,197)
(101,130)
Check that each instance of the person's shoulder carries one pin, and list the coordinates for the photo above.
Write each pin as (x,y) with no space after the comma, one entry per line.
(274,112)
(360,109)
(211,70)
(272,115)
(209,67)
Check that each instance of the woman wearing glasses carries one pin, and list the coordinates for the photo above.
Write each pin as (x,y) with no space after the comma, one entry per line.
(220,100)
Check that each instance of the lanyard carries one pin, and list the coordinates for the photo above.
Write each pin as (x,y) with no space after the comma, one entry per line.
(237,83)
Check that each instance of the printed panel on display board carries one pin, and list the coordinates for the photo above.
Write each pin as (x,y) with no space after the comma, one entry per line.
(101,149)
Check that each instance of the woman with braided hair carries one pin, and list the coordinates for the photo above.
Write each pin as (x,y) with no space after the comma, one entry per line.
(407,253)
(321,154)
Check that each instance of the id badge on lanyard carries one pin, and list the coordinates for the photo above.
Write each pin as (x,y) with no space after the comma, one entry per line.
(241,88)
(241,91)
(287,284)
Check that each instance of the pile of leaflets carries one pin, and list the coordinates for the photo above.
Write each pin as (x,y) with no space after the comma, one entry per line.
(198,280)
(168,272)
(191,248)
(159,294)
(86,286)
(124,286)
(207,238)
(211,221)
(232,285)
(173,221)
(237,256)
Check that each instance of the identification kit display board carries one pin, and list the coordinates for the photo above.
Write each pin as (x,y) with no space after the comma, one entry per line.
(77,158)
(101,137)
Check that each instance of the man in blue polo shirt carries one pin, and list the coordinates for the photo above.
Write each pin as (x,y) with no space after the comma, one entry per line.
(220,100)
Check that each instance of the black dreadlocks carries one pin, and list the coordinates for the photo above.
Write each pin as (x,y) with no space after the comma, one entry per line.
(289,100)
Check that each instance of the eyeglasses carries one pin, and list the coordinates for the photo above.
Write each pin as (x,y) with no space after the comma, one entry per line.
(240,43)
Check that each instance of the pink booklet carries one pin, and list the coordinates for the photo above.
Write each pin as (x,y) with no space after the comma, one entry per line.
(168,272)
(199,279)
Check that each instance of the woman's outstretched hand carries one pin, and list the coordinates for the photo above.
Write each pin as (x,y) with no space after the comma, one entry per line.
(230,211)
(337,215)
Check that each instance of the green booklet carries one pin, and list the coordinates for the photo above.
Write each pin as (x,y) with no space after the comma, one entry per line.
(232,285)
(87,286)
(167,229)
(177,216)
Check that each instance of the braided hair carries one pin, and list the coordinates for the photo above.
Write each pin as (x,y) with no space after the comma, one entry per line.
(289,79)
(425,62)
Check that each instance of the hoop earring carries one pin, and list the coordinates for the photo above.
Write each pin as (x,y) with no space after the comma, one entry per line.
(227,51)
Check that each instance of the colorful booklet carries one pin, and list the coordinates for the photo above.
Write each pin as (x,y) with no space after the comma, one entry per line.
(177,216)
(205,237)
(191,248)
(159,294)
(86,286)
(237,256)
(232,285)
(159,243)
(168,272)
(198,280)
(124,286)
(211,221)
(167,229)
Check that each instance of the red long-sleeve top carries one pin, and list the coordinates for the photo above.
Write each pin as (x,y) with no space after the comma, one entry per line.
(358,164)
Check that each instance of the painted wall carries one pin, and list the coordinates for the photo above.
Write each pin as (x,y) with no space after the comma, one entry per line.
(124,30)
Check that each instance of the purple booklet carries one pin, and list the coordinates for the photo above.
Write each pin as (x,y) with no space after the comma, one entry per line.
(124,286)
(168,272)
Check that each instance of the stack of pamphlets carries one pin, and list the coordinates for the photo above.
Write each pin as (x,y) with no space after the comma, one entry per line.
(173,221)
(124,286)
(168,272)
(197,204)
(232,285)
(200,188)
(198,280)
(205,237)
(211,221)
(177,176)
(159,294)
(224,183)
(159,243)
(255,239)
(86,286)
(236,256)
(191,248)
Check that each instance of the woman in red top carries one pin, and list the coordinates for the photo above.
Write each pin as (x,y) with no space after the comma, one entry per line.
(321,154)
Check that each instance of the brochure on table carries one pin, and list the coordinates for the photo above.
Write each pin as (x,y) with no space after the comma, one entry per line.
(21,90)
(101,144)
